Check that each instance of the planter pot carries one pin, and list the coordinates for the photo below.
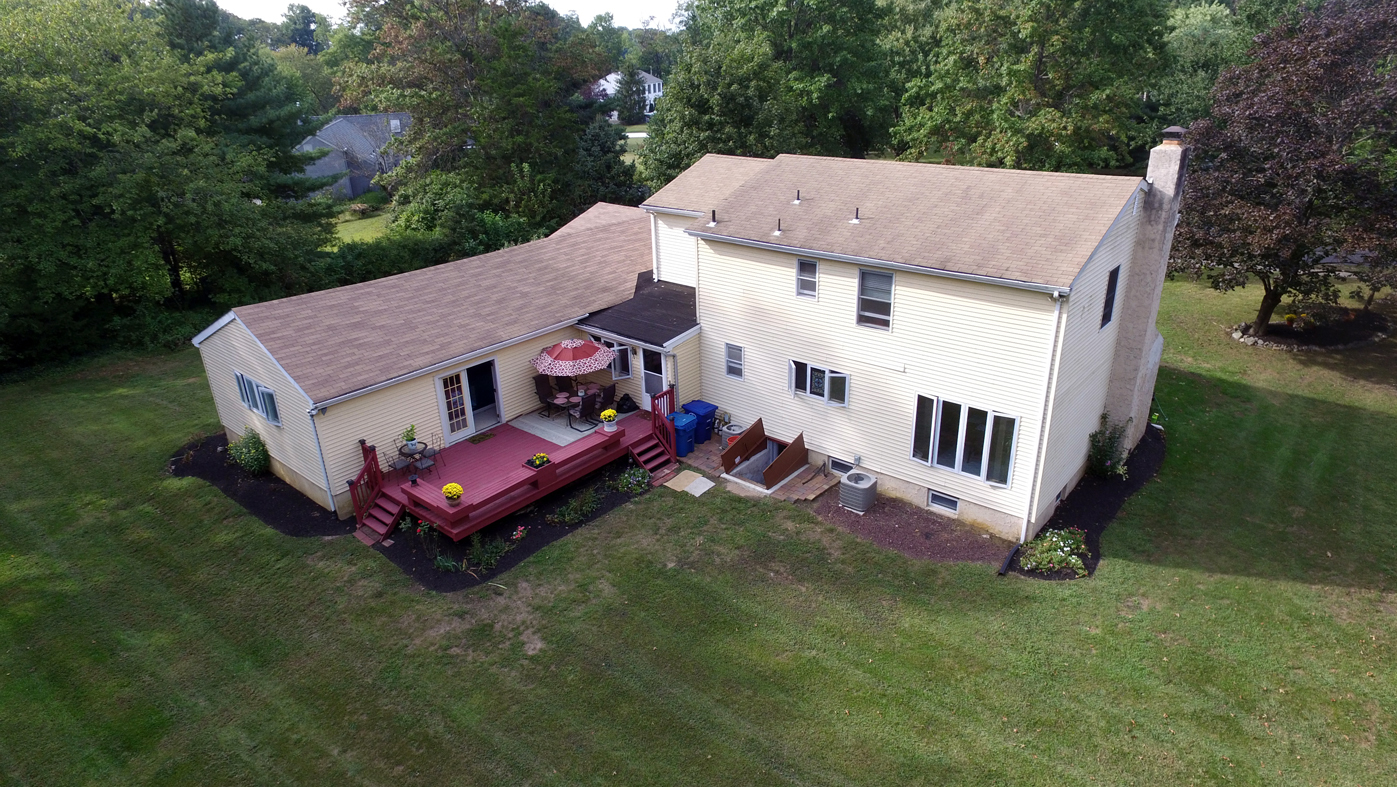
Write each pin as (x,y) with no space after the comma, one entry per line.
(453,501)
(540,467)
(412,445)
(609,426)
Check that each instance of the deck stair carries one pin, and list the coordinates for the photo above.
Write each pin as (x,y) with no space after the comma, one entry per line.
(650,454)
(380,519)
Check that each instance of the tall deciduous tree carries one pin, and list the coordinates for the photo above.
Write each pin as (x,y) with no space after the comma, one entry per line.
(1294,167)
(311,72)
(492,87)
(728,96)
(1034,84)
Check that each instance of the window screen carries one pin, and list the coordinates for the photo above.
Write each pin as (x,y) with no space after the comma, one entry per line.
(875,299)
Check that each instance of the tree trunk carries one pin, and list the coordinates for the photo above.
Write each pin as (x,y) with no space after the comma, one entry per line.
(1269,302)
(1372,293)
(172,267)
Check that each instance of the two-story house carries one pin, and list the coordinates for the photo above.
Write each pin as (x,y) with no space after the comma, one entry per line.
(955,331)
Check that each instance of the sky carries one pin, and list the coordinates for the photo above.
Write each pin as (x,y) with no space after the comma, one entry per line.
(628,13)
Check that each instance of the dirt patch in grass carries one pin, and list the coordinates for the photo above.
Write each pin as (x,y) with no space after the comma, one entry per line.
(1094,503)
(417,558)
(270,499)
(914,531)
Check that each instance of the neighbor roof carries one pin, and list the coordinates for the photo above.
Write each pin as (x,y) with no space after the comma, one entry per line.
(708,182)
(363,139)
(1037,228)
(336,342)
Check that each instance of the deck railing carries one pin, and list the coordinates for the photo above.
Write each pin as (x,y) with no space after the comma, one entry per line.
(365,487)
(517,488)
(661,406)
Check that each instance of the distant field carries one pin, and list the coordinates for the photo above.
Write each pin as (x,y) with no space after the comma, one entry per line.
(364,229)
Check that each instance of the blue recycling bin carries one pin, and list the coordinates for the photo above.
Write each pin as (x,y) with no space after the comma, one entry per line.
(703,411)
(683,433)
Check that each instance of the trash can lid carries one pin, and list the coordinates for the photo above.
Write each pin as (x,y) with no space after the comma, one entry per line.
(700,408)
(682,420)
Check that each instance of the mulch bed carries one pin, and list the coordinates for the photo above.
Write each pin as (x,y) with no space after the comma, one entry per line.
(914,531)
(407,551)
(287,511)
(1335,332)
(270,499)
(1094,503)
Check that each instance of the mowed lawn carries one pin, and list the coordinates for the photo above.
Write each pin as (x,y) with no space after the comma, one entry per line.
(1239,631)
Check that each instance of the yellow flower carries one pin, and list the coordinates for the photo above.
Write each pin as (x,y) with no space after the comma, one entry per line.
(608,415)
(452,490)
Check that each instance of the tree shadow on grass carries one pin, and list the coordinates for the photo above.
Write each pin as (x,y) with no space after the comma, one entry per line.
(1263,483)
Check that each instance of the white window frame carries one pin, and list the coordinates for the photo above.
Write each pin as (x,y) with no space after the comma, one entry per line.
(834,459)
(859,297)
(728,362)
(621,350)
(814,280)
(931,502)
(934,442)
(258,398)
(804,388)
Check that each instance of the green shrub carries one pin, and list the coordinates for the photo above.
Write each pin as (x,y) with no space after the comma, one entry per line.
(1055,549)
(1107,452)
(633,481)
(577,509)
(250,453)
(486,554)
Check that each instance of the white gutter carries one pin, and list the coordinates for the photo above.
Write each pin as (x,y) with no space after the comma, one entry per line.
(1015,283)
(1054,355)
(444,364)
(693,214)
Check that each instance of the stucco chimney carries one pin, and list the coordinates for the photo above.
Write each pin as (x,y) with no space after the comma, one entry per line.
(1138,343)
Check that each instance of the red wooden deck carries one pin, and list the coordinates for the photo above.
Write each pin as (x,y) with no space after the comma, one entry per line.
(494,477)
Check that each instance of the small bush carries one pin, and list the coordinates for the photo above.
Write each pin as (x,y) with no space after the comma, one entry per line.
(250,453)
(577,509)
(633,481)
(1107,452)
(486,554)
(1055,549)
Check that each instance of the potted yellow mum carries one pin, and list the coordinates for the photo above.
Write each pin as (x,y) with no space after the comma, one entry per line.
(608,419)
(453,492)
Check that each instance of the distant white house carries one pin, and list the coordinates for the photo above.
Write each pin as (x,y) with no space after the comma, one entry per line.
(609,84)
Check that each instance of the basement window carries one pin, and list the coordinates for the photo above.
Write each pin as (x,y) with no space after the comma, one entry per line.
(935,499)
(840,466)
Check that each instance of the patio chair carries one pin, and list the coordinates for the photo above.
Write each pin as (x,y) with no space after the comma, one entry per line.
(584,412)
(563,383)
(608,396)
(545,397)
(431,456)
(393,459)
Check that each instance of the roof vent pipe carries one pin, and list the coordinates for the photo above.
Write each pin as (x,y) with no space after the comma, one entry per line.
(713,218)
(797,200)
(778,228)
(855,219)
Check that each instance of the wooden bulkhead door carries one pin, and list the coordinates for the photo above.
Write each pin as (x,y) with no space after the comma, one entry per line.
(788,461)
(752,440)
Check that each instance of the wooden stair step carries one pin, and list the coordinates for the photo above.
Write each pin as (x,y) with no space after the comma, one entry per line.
(370,538)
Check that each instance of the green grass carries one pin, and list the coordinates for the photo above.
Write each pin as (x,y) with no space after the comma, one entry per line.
(1239,630)
(353,228)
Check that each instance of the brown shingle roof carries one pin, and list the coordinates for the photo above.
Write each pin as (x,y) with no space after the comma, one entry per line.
(701,187)
(1033,227)
(338,341)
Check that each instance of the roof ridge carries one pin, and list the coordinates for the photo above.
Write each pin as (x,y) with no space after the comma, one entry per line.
(961,167)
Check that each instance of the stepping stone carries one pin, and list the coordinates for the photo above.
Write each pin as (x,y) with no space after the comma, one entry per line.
(681,482)
(699,486)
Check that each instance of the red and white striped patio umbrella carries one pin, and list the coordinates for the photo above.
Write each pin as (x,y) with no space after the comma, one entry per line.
(573,357)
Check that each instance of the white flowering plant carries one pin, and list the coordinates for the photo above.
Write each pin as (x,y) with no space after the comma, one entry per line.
(1055,549)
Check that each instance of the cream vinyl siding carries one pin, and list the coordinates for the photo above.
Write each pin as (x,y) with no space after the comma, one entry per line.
(676,254)
(1084,368)
(233,348)
(381,416)
(976,344)
(686,371)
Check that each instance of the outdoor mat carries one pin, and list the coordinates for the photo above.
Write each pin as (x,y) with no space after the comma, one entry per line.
(681,482)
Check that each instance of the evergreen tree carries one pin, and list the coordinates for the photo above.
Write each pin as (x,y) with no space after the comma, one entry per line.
(299,27)
(603,175)
(630,96)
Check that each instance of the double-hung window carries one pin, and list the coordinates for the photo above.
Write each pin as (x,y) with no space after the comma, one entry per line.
(733,360)
(258,398)
(818,382)
(1108,309)
(965,439)
(807,278)
(875,299)
(621,364)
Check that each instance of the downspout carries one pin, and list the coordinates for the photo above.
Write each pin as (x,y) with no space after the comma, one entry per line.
(1054,351)
(324,471)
